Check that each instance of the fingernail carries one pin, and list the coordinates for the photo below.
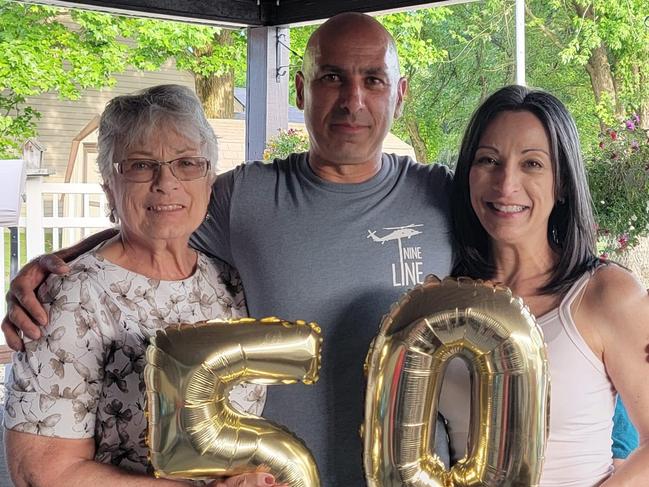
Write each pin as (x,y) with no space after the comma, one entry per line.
(270,480)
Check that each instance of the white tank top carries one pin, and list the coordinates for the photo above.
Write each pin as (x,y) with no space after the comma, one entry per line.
(582,402)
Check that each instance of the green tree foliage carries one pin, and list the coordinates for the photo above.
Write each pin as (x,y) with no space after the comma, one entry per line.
(47,49)
(609,40)
(473,56)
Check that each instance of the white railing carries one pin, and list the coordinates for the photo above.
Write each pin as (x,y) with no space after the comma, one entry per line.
(55,215)
(67,211)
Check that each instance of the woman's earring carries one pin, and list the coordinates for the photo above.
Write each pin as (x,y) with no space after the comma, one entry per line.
(555,235)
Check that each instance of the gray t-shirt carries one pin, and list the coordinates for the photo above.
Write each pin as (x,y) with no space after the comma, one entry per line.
(337,254)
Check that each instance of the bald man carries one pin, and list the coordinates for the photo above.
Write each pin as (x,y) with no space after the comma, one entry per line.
(334,235)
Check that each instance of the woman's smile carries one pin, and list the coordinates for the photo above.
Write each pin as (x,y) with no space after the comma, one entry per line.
(507,210)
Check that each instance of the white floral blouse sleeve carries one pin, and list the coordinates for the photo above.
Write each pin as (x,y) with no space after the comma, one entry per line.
(54,386)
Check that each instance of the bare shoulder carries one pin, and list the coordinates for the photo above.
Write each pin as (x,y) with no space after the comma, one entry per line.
(615,294)
(614,284)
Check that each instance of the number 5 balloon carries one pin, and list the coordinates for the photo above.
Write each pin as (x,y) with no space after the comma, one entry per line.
(194,431)
(497,337)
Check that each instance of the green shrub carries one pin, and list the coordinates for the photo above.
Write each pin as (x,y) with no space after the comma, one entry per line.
(618,174)
(285,143)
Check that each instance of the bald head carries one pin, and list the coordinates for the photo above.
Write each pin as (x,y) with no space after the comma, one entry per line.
(350,90)
(356,27)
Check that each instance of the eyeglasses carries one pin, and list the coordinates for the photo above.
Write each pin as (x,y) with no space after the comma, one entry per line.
(145,170)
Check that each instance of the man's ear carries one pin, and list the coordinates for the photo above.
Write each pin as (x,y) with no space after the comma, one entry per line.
(402,89)
(299,90)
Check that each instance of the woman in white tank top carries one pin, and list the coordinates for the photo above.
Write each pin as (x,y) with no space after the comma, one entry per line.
(522,216)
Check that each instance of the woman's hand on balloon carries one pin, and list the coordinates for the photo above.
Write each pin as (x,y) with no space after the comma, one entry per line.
(259,479)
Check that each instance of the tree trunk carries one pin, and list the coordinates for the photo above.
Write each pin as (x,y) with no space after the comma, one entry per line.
(643,113)
(601,79)
(599,68)
(216,92)
(418,143)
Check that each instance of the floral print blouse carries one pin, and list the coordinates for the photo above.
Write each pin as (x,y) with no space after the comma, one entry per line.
(84,377)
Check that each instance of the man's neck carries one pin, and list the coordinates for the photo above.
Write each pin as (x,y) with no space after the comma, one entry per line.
(345,173)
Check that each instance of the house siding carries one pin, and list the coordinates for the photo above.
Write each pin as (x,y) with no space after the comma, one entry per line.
(62,120)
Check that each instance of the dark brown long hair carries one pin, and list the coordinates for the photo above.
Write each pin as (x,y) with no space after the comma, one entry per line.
(571,227)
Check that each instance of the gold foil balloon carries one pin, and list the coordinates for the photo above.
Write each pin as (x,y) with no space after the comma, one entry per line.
(497,337)
(194,431)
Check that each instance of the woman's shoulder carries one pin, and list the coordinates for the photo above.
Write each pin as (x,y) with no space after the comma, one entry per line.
(614,282)
(614,292)
(84,270)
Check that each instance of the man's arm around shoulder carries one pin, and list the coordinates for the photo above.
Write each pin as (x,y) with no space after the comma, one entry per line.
(24,312)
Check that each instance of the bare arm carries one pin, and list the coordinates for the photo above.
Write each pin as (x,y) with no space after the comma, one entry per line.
(24,312)
(36,461)
(619,306)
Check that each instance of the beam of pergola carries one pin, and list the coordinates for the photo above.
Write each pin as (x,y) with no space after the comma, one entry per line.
(245,12)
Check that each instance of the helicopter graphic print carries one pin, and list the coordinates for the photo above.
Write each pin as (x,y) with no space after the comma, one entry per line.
(408,270)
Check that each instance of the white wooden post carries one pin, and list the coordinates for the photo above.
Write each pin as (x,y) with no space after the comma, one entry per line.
(86,212)
(520,42)
(55,231)
(34,217)
(2,277)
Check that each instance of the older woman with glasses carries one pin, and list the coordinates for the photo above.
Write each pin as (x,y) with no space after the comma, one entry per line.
(74,405)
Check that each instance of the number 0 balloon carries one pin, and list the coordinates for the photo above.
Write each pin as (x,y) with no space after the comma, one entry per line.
(194,431)
(499,340)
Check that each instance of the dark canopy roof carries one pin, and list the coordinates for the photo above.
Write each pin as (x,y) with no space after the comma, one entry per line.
(248,12)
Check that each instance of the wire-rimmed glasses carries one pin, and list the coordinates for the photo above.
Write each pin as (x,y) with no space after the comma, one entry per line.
(145,170)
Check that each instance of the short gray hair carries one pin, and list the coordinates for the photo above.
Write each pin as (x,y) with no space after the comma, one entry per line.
(129,119)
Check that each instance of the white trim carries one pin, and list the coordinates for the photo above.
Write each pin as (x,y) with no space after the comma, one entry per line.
(520,42)
(76,188)
(2,279)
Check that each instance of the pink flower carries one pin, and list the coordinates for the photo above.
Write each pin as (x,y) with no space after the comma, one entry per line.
(613,135)
(630,125)
(623,240)
(602,145)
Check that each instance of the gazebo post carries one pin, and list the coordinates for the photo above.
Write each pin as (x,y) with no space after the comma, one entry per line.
(520,42)
(266,87)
